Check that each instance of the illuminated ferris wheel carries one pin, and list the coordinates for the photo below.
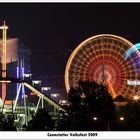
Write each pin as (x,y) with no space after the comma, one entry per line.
(103,54)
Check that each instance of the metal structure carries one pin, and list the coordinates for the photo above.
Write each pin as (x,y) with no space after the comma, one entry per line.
(103,74)
(4,36)
(21,84)
(102,58)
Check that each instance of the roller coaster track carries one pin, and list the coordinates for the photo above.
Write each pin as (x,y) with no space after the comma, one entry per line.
(33,89)
(38,93)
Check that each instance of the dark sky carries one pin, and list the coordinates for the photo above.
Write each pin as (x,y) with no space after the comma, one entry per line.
(53,30)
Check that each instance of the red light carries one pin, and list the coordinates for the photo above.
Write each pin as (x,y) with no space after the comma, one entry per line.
(33,94)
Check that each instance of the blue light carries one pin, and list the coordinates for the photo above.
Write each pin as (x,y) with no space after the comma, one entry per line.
(17,77)
(132,50)
(17,72)
(22,72)
(22,96)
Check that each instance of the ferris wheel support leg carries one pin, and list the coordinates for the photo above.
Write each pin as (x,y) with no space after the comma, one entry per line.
(18,92)
(42,103)
(25,105)
(54,110)
(38,104)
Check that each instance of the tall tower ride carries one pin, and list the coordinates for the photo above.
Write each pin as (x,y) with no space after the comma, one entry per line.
(4,36)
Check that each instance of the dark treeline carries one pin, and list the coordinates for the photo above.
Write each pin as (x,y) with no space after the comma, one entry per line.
(91,108)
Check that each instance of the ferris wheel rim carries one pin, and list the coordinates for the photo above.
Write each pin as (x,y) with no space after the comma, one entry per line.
(67,85)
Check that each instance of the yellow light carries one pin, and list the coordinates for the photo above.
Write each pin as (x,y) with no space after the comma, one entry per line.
(121,118)
(95,118)
(4,81)
(63,101)
(3,27)
(135,97)
(55,95)
(4,36)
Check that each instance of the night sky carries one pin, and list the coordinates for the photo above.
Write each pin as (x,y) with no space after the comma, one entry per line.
(53,30)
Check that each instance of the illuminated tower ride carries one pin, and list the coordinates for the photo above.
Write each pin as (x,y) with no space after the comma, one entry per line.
(101,58)
(15,105)
(4,35)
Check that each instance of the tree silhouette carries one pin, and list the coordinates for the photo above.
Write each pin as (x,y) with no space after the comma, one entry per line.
(41,121)
(131,113)
(88,100)
(7,123)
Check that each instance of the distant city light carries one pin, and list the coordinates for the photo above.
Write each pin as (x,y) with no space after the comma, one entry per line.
(45,88)
(95,118)
(135,97)
(54,95)
(121,118)
(63,101)
(82,95)
(36,81)
(27,75)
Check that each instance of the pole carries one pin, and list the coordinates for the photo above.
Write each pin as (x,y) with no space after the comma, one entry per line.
(108,126)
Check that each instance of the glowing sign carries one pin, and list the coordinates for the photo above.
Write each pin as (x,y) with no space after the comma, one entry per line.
(133,82)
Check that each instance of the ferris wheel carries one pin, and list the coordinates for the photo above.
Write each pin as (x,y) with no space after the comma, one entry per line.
(103,54)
